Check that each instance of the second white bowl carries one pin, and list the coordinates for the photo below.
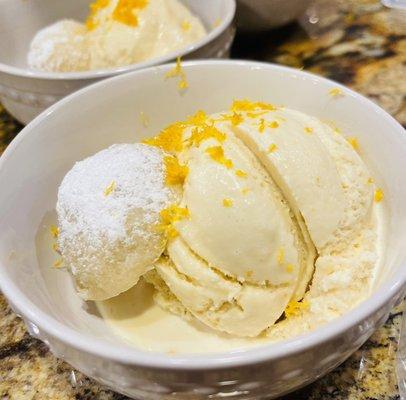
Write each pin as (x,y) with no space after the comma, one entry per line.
(25,93)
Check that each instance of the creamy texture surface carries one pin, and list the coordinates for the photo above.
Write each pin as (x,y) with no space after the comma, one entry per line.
(116,33)
(137,319)
(277,229)
(140,321)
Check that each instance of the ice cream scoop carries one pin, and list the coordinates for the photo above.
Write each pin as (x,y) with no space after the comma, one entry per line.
(158,27)
(116,33)
(108,214)
(239,255)
(266,188)
(316,168)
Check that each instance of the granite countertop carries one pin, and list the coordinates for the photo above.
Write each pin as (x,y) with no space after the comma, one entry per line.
(356,42)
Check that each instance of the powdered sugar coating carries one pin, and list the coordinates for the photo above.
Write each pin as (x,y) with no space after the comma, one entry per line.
(137,172)
(108,213)
(60,47)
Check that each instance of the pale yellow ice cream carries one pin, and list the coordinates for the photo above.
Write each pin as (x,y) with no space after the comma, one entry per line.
(116,33)
(263,191)
(271,227)
(318,171)
(241,251)
(161,27)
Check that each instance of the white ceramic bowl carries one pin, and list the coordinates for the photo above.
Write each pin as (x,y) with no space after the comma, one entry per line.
(261,15)
(25,93)
(108,112)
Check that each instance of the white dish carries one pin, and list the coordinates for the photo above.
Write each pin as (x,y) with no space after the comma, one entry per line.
(25,92)
(109,112)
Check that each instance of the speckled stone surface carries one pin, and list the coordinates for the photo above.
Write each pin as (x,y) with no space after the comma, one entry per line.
(356,42)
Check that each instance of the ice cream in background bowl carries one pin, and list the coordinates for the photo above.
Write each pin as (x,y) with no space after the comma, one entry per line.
(260,237)
(116,33)
(49,51)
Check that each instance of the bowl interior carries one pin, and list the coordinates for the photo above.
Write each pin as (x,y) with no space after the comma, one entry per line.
(20,20)
(110,112)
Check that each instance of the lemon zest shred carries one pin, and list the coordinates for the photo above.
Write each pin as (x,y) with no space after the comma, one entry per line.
(240,173)
(185,25)
(247,105)
(281,256)
(199,118)
(58,263)
(169,216)
(235,118)
(94,7)
(274,124)
(54,231)
(272,148)
(183,84)
(308,129)
(175,173)
(177,71)
(199,134)
(378,196)
(353,141)
(110,188)
(370,181)
(295,307)
(227,202)
(290,268)
(170,139)
(335,92)
(125,11)
(217,154)
(261,125)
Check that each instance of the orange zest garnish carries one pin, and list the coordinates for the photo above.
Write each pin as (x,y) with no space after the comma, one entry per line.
(58,263)
(247,105)
(175,173)
(234,118)
(54,231)
(185,25)
(169,216)
(281,256)
(199,134)
(170,139)
(378,197)
(125,11)
(94,9)
(217,154)
(177,71)
(110,188)
(227,202)
(272,148)
(200,118)
(296,307)
(240,173)
(334,92)
(353,142)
